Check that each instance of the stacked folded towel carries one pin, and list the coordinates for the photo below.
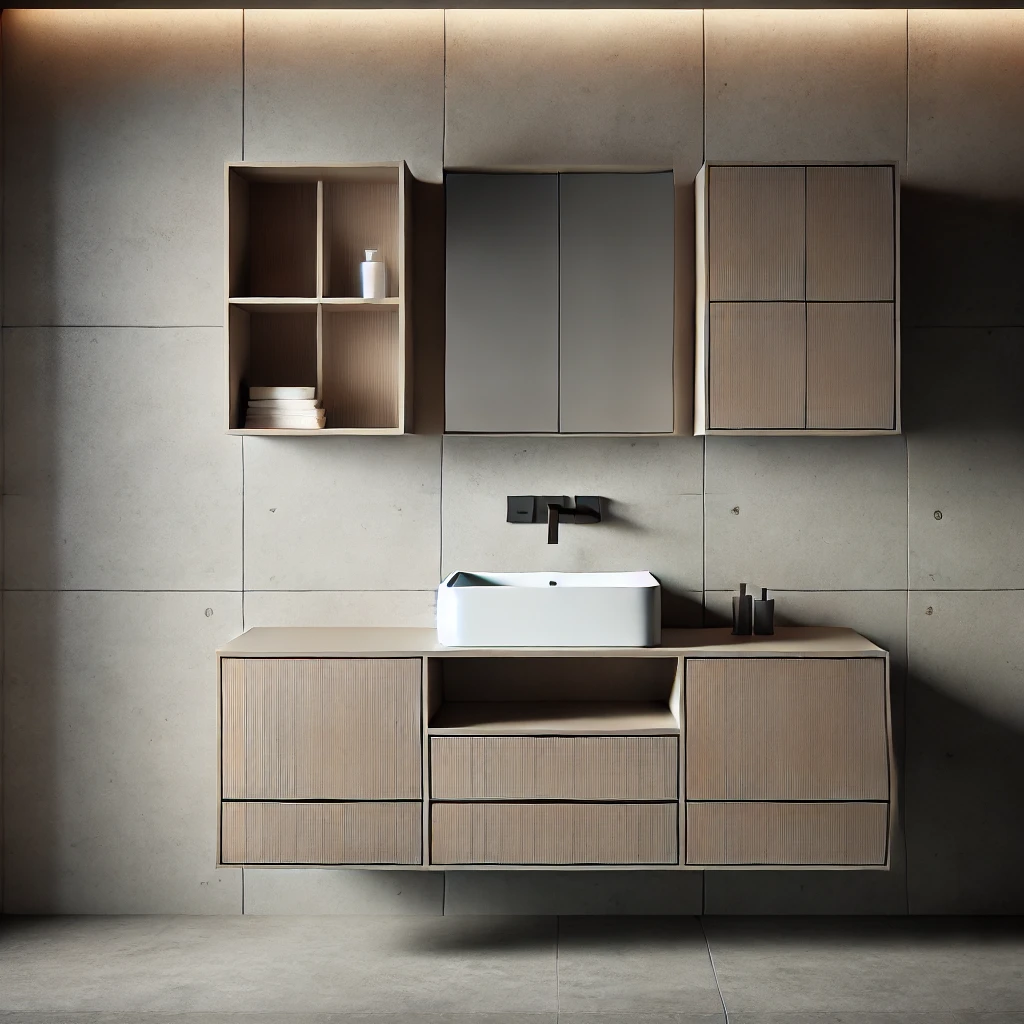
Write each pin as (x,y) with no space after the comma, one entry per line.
(284,408)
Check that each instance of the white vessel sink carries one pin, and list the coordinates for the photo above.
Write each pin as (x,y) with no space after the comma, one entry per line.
(549,609)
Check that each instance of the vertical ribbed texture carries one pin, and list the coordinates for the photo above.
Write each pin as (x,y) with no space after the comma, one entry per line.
(361,367)
(850,241)
(359,215)
(282,350)
(780,833)
(554,767)
(786,729)
(478,833)
(756,233)
(321,728)
(309,833)
(282,240)
(756,365)
(851,365)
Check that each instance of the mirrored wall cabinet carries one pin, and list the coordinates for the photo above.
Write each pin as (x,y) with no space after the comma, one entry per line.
(560,304)
(296,237)
(797,300)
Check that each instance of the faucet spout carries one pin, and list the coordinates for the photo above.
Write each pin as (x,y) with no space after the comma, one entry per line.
(554,511)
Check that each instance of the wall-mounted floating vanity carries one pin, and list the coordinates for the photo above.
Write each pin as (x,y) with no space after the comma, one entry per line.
(378,748)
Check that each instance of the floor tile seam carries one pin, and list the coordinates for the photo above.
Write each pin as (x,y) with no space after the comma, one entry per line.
(714,969)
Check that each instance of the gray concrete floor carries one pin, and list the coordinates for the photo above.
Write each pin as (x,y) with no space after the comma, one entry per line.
(510,970)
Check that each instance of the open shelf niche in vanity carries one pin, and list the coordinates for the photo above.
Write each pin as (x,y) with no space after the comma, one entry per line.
(378,748)
(295,238)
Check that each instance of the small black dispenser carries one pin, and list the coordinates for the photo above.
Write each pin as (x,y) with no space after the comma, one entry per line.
(742,613)
(764,614)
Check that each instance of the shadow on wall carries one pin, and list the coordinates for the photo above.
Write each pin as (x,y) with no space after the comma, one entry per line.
(32,701)
(428,307)
(965,789)
(962,260)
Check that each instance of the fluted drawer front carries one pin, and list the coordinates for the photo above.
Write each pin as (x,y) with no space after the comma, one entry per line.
(787,833)
(553,833)
(851,366)
(321,728)
(756,233)
(757,363)
(851,245)
(254,832)
(554,767)
(786,729)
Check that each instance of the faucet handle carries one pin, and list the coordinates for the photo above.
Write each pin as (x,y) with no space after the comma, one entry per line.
(588,509)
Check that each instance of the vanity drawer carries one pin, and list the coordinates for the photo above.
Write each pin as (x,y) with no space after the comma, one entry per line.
(255,832)
(321,728)
(786,729)
(787,833)
(554,767)
(554,833)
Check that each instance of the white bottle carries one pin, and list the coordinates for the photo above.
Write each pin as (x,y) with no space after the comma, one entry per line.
(374,282)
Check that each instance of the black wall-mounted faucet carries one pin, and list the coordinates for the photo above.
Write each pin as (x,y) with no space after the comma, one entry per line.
(553,509)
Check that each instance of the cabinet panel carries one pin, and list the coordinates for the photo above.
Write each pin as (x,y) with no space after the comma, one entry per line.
(787,833)
(321,833)
(851,245)
(786,729)
(756,233)
(851,365)
(510,833)
(501,362)
(321,728)
(616,280)
(757,365)
(554,768)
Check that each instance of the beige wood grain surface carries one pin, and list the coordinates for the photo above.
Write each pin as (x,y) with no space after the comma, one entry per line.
(786,729)
(321,728)
(554,768)
(794,834)
(255,832)
(553,833)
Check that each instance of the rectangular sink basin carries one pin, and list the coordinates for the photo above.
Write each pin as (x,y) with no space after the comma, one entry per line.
(549,609)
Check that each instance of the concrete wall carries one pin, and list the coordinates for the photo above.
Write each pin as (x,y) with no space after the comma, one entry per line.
(138,536)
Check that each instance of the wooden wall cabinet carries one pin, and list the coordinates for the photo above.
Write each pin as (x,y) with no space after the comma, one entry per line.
(560,301)
(797,300)
(377,748)
(295,238)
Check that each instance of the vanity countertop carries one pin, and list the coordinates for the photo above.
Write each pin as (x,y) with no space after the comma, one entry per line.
(404,642)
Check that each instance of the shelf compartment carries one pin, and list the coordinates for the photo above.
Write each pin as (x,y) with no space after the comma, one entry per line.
(361,210)
(271,346)
(362,367)
(272,237)
(554,833)
(554,696)
(570,718)
(554,767)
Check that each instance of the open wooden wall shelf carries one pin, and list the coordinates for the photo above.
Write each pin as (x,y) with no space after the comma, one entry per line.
(295,239)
